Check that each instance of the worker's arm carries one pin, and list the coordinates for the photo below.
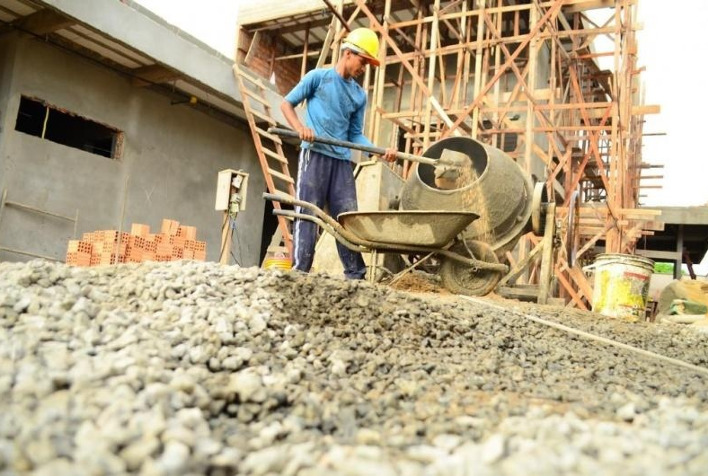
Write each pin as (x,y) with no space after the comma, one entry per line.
(288,109)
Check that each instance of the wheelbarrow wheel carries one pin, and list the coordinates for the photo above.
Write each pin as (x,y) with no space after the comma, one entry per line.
(460,278)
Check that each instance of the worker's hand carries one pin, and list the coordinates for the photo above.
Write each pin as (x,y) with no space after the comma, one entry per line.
(307,134)
(390,154)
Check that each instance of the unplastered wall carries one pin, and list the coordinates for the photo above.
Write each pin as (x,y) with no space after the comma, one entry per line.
(263,51)
(168,167)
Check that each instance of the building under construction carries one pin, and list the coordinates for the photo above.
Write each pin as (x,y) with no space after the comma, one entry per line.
(521,76)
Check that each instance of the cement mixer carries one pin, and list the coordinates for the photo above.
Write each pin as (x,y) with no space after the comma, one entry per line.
(491,184)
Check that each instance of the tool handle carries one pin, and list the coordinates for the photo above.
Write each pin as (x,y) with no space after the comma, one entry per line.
(351,145)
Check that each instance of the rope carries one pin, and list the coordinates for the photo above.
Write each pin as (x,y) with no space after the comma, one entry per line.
(604,340)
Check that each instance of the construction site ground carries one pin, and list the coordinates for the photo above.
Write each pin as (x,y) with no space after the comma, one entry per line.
(197,368)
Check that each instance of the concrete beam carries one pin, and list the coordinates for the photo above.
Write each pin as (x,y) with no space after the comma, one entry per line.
(656,254)
(152,74)
(684,215)
(132,25)
(44,22)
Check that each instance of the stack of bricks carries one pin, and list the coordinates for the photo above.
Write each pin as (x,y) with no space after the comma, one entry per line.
(174,242)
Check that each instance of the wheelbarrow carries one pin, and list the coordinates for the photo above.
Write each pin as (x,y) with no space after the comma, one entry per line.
(467,266)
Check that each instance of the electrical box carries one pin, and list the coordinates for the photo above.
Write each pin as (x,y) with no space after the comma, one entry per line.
(231,188)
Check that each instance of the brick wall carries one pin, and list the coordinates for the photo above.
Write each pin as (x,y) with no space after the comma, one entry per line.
(262,60)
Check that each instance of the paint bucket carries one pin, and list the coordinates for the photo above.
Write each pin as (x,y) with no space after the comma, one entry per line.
(621,285)
(277,263)
(277,258)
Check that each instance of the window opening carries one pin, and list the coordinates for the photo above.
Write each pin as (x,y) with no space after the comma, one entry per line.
(39,119)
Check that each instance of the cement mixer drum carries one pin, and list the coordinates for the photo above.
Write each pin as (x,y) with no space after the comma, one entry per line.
(492,185)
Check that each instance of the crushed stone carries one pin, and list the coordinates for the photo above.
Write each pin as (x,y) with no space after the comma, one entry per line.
(196,368)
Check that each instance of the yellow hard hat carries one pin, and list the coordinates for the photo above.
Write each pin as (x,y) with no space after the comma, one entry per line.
(365,43)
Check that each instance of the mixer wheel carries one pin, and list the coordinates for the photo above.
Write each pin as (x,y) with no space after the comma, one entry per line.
(460,278)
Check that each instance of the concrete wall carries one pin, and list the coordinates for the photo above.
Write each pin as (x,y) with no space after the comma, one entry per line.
(170,160)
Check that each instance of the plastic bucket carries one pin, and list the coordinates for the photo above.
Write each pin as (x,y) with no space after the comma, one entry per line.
(277,263)
(621,285)
(277,258)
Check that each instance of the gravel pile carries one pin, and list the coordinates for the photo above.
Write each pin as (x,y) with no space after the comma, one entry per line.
(195,368)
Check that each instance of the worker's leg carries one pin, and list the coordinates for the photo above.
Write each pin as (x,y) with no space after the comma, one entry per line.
(342,198)
(313,177)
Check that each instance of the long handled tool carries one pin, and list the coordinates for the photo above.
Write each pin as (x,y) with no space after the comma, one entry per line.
(372,150)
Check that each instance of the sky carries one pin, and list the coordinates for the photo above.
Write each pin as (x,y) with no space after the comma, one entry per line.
(211,21)
(670,50)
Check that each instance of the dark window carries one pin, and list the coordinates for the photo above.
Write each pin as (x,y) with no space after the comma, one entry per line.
(30,117)
(511,140)
(48,122)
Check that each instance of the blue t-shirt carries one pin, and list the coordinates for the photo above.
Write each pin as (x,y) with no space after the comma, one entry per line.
(335,109)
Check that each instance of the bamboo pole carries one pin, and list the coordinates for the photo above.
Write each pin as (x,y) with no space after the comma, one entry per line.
(303,66)
(477,68)
(434,32)
(380,80)
(612,241)
(498,141)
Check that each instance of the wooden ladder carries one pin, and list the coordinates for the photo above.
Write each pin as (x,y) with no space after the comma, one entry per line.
(268,146)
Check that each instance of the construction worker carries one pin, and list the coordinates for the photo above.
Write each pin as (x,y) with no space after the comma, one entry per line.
(335,109)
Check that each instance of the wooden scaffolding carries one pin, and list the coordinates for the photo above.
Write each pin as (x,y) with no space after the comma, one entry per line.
(521,75)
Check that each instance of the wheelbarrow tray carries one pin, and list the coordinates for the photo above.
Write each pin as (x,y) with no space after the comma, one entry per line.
(428,228)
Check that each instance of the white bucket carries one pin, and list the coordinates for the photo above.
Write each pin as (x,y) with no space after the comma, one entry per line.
(621,285)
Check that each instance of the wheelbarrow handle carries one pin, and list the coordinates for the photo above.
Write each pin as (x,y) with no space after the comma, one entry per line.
(351,145)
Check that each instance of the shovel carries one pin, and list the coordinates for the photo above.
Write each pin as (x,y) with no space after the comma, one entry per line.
(452,161)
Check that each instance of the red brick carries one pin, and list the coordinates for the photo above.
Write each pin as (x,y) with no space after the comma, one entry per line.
(138,229)
(108,235)
(188,232)
(169,227)
(178,242)
(101,246)
(82,259)
(73,246)
(107,258)
(164,238)
(85,247)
